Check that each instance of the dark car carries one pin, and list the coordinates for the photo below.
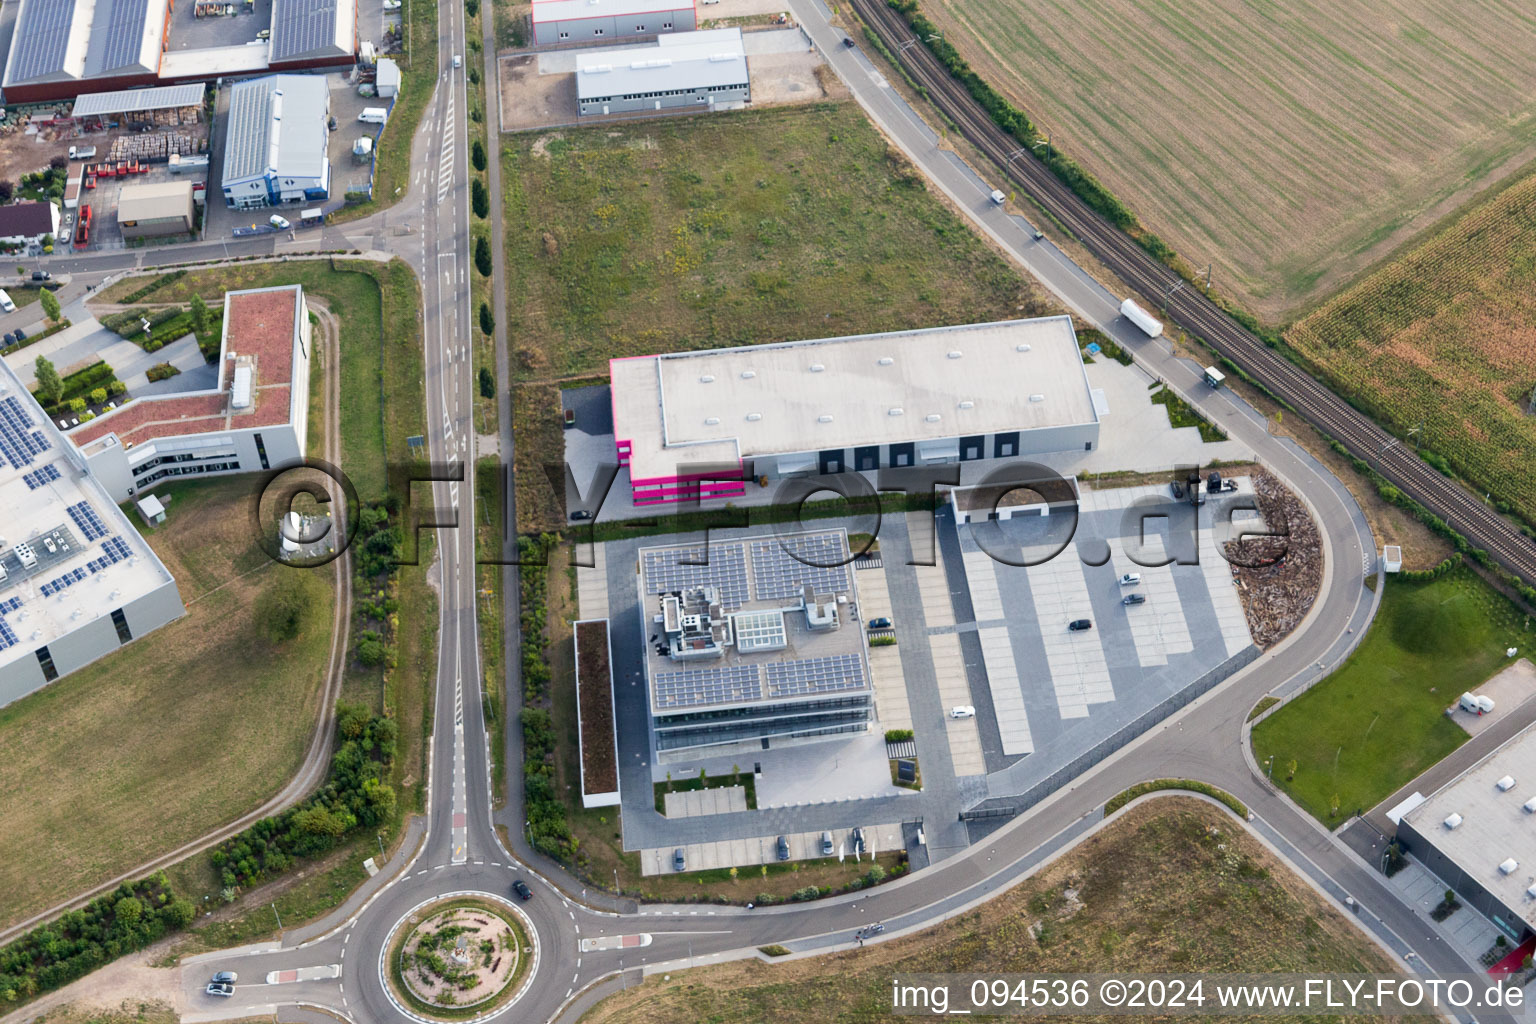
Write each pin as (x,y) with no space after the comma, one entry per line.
(881,623)
(41,275)
(1134,599)
(521,888)
(783,848)
(848,42)
(225,978)
(1078,625)
(580,514)
(858,840)
(1177,488)
(21,335)
(331,124)
(10,339)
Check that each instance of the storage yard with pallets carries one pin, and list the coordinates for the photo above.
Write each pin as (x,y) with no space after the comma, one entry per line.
(1293,145)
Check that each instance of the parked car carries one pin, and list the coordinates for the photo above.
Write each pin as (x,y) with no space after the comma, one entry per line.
(523,892)
(679,862)
(580,514)
(1134,599)
(848,42)
(1078,625)
(1130,579)
(216,988)
(10,339)
(881,623)
(783,848)
(963,711)
(1039,235)
(858,840)
(226,978)
(5,302)
(826,844)
(1177,488)
(41,275)
(265,33)
(280,222)
(998,197)
(21,335)
(331,124)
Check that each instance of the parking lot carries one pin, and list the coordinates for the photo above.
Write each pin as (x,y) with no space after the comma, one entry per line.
(803,846)
(190,32)
(103,199)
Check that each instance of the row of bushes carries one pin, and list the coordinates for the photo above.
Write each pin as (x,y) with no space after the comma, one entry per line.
(1192,785)
(549,831)
(355,794)
(898,735)
(54,954)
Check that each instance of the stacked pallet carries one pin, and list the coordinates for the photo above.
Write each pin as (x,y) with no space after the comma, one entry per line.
(156,146)
(168,117)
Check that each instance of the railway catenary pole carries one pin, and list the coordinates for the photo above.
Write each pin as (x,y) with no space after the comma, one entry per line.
(1191,310)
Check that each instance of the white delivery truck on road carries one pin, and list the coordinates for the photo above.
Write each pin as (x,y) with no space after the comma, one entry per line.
(1141,318)
(374,115)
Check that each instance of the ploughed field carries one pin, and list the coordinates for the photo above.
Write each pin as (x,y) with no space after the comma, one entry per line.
(1292,143)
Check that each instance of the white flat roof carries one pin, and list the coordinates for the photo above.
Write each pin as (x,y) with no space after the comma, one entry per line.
(46,498)
(873,389)
(1494,824)
(680,60)
(573,10)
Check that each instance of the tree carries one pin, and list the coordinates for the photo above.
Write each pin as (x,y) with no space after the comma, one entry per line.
(479,198)
(370,649)
(50,304)
(280,609)
(477,155)
(128,910)
(49,385)
(487,383)
(483,256)
(58,163)
(199,314)
(487,319)
(179,913)
(7,190)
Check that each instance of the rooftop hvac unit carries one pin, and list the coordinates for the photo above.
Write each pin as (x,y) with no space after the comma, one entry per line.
(240,393)
(1509,866)
(1453,821)
(724,56)
(1530,806)
(1506,784)
(597,69)
(1531,893)
(660,62)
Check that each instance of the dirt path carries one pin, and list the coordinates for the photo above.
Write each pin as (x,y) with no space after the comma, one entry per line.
(317,760)
(128,977)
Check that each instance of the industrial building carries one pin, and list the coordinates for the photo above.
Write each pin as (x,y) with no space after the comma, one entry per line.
(275,142)
(759,643)
(254,418)
(61,49)
(688,69)
(589,21)
(700,424)
(76,581)
(139,108)
(155,210)
(1477,833)
(28,223)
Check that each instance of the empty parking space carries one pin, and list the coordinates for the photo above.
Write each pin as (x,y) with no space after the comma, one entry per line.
(1076,662)
(1158,626)
(949,670)
(1007,693)
(891,706)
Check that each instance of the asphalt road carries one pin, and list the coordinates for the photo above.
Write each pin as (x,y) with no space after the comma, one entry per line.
(461,851)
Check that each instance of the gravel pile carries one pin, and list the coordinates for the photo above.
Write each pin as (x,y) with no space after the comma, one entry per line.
(1278,577)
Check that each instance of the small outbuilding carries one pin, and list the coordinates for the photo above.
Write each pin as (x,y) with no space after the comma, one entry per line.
(387,79)
(151,509)
(156,209)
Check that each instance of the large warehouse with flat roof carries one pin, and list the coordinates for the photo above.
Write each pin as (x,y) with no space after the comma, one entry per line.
(687,69)
(1478,834)
(758,643)
(275,142)
(76,581)
(867,402)
(600,21)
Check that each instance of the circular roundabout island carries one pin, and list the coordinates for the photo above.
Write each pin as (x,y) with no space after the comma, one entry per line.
(461,957)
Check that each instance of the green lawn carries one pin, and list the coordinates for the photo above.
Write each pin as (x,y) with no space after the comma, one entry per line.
(1379,720)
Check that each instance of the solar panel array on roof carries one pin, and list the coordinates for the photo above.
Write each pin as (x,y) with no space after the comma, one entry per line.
(781,566)
(19,443)
(9,605)
(41,41)
(667,570)
(113,551)
(725,685)
(62,583)
(86,518)
(7,635)
(815,675)
(38,477)
(301,27)
(123,39)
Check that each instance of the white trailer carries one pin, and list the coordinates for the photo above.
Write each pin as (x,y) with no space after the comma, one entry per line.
(1141,318)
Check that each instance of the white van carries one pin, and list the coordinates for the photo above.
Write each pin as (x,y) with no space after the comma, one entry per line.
(373,115)
(6,305)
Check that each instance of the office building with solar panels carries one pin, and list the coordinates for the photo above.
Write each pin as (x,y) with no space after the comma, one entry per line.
(755,642)
(700,425)
(76,580)
(275,142)
(254,417)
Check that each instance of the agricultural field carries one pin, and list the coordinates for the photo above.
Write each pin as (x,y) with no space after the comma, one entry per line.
(1444,340)
(1172,886)
(1293,144)
(1378,721)
(733,229)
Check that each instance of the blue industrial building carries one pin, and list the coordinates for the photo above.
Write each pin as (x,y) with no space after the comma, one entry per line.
(275,145)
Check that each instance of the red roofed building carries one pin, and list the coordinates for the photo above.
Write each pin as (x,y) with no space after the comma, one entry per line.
(256,417)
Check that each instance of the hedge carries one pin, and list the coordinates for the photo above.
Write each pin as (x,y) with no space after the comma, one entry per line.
(549,831)
(1193,785)
(154,285)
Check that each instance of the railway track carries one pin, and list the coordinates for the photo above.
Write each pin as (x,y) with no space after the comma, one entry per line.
(1478,522)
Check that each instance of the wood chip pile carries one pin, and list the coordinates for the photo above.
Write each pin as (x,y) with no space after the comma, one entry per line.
(1278,577)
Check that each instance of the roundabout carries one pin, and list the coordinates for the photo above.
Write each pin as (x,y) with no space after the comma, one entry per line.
(461,956)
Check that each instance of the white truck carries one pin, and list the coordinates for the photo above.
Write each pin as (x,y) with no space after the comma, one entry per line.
(373,115)
(1141,318)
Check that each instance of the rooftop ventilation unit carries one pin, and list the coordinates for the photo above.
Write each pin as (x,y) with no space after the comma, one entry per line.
(1509,866)
(753,417)
(967,404)
(1021,348)
(898,412)
(1530,893)
(659,62)
(708,378)
(597,69)
(1530,806)
(724,56)
(825,417)
(956,354)
(1506,784)
(886,361)
(1037,398)
(817,367)
(1453,822)
(933,417)
(240,392)
(748,374)
(712,421)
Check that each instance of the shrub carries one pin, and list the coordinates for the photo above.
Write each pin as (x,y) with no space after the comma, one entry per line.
(479,198)
(161,371)
(476,155)
(76,405)
(117,387)
(280,608)
(487,383)
(483,256)
(898,735)
(98,396)
(487,319)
